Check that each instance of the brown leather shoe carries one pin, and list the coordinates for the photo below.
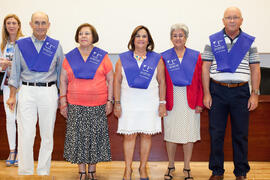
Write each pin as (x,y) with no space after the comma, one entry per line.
(241,177)
(216,177)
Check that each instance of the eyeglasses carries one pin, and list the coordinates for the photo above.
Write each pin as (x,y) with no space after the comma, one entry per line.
(178,36)
(40,23)
(229,18)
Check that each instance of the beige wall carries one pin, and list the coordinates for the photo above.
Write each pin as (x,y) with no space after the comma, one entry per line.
(115,19)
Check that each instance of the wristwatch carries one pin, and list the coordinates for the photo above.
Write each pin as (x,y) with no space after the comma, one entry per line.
(117,102)
(255,91)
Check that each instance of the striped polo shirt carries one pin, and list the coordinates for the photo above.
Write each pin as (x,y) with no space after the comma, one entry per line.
(242,73)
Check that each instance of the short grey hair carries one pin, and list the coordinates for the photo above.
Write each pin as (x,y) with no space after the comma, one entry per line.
(180,26)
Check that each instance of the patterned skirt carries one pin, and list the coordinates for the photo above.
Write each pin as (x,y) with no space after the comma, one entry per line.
(182,125)
(87,138)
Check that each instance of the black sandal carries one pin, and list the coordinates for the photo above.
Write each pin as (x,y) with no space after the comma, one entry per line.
(92,175)
(188,171)
(81,174)
(170,169)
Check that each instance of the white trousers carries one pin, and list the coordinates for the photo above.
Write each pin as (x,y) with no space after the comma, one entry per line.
(32,102)
(10,120)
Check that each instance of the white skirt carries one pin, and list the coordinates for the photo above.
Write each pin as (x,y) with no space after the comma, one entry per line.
(139,108)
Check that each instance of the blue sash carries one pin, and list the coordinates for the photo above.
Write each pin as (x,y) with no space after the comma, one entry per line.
(229,61)
(39,62)
(181,73)
(139,77)
(82,69)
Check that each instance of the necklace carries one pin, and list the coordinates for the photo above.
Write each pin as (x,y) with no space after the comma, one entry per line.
(139,58)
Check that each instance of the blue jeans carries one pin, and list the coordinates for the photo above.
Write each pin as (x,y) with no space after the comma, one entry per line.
(229,101)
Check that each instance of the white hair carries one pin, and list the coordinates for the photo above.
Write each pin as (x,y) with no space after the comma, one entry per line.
(180,26)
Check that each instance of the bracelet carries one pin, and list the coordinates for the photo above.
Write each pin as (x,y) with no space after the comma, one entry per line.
(62,107)
(117,102)
(111,101)
(62,96)
(162,102)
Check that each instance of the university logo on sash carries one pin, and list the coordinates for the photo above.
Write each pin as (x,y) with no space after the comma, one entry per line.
(39,62)
(229,61)
(139,77)
(85,69)
(181,74)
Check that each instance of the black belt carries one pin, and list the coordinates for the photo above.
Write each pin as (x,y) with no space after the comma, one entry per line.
(39,83)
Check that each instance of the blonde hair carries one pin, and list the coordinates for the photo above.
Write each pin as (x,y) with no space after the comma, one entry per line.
(5,34)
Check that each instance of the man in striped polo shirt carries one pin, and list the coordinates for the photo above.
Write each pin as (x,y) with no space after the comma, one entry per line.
(229,62)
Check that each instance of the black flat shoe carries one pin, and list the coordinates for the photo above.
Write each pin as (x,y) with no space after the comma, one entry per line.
(168,176)
(188,171)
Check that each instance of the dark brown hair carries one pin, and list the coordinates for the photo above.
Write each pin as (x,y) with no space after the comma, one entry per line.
(93,30)
(150,45)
